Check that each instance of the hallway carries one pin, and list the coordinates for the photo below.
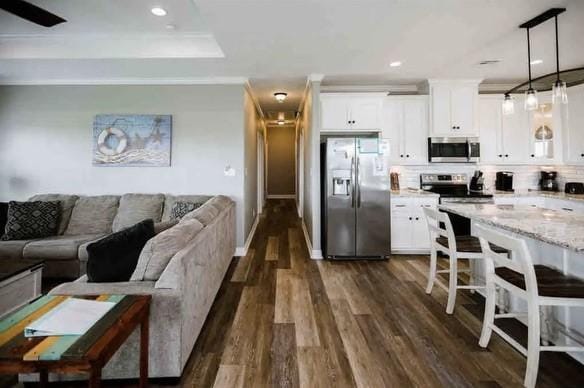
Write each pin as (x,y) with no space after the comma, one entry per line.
(283,320)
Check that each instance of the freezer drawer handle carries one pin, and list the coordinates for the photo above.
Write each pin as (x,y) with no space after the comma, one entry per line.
(567,209)
(400,205)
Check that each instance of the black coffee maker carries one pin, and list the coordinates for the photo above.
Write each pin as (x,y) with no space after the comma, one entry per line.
(504,181)
(548,182)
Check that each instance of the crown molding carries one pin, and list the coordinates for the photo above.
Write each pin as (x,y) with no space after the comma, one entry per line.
(128,81)
(496,88)
(397,89)
(255,101)
(316,77)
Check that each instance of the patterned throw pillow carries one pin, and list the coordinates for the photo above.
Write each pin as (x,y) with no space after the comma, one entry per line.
(180,209)
(28,220)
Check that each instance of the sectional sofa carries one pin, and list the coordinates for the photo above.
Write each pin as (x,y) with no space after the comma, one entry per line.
(85,219)
(182,295)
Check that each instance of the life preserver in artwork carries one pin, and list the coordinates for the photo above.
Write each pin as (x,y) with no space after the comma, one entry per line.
(103,146)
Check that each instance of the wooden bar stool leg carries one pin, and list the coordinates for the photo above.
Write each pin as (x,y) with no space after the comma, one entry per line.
(452,283)
(95,378)
(533,338)
(489,317)
(432,272)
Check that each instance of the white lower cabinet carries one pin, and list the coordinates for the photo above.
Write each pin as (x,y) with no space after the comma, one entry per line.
(409,231)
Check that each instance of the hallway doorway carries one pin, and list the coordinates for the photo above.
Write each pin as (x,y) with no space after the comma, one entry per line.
(281,161)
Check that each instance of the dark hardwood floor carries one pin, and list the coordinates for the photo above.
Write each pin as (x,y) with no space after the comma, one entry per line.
(284,320)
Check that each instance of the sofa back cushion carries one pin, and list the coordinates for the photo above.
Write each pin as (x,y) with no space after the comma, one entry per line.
(114,257)
(30,220)
(170,200)
(138,207)
(159,250)
(3,215)
(204,214)
(67,202)
(93,215)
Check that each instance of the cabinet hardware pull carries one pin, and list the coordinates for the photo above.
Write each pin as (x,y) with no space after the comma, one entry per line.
(417,219)
(400,205)
(506,155)
(532,155)
(410,218)
(567,209)
(500,156)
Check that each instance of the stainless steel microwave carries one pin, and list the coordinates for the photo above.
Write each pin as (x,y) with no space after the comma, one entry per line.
(454,149)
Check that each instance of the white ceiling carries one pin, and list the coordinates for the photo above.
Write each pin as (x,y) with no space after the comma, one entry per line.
(281,42)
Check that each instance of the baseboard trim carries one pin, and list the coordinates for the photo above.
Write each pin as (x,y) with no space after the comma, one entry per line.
(315,254)
(410,251)
(242,251)
(281,196)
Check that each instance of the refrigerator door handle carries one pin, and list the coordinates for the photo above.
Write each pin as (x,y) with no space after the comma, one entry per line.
(358,183)
(469,150)
(352,189)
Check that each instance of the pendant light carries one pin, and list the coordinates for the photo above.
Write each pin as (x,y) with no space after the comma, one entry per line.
(508,105)
(559,89)
(531,100)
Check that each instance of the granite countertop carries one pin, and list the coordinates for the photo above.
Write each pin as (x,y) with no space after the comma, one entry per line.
(554,227)
(409,192)
(539,193)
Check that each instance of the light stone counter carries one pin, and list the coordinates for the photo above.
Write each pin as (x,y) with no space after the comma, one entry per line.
(558,228)
(539,193)
(414,193)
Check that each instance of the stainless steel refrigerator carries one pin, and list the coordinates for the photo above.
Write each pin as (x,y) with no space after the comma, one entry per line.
(356,195)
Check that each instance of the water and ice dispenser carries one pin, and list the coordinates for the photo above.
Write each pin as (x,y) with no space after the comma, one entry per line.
(341,182)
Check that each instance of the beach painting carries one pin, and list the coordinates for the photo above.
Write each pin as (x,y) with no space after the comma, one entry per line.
(132,140)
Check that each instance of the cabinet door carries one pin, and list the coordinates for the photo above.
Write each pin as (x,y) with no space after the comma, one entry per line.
(574,127)
(420,231)
(462,107)
(334,112)
(515,137)
(365,112)
(401,227)
(490,125)
(415,131)
(392,128)
(441,115)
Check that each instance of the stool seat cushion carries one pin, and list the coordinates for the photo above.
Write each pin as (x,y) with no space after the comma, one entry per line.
(550,282)
(469,244)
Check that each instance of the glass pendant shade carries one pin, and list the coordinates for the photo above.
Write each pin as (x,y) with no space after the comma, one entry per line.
(531,100)
(508,105)
(560,93)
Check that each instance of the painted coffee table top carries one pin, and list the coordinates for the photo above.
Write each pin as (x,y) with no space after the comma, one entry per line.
(14,346)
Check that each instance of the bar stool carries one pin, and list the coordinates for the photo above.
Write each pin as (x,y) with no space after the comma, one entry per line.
(540,286)
(442,239)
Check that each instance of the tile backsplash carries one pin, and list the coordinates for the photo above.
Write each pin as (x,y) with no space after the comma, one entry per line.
(525,177)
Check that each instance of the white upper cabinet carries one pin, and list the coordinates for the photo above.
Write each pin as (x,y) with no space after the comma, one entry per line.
(454,108)
(504,138)
(355,111)
(405,125)
(573,116)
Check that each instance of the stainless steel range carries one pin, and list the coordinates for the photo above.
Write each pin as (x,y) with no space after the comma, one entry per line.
(453,188)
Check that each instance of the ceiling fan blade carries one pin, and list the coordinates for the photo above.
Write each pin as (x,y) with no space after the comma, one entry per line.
(31,12)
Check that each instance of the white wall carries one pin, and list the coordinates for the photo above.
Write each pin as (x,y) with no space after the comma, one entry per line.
(46,135)
(311,212)
(252,126)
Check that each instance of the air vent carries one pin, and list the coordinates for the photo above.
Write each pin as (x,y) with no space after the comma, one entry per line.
(489,62)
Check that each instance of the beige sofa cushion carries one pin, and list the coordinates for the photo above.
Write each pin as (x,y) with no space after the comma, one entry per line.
(138,207)
(220,202)
(204,214)
(161,248)
(93,215)
(67,203)
(12,249)
(170,200)
(57,247)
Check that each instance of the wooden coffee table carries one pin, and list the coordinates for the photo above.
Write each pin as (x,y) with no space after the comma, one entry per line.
(87,353)
(20,282)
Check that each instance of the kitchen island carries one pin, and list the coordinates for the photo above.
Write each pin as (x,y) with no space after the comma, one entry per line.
(554,238)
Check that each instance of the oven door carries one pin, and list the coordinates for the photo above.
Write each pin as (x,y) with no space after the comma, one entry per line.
(452,150)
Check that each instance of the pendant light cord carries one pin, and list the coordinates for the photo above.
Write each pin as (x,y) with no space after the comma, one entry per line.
(529,57)
(557,51)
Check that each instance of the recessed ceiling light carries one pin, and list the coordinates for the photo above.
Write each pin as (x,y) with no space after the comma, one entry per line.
(536,62)
(280,96)
(170,27)
(158,11)
(395,64)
